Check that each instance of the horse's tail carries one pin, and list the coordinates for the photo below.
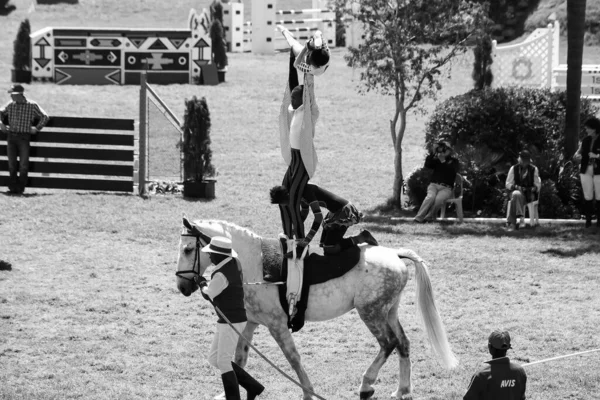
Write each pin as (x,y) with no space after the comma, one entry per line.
(429,313)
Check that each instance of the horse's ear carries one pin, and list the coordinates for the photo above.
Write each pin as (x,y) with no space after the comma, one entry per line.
(186,223)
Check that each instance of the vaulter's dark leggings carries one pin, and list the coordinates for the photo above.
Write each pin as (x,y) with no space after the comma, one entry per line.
(295,180)
(293,74)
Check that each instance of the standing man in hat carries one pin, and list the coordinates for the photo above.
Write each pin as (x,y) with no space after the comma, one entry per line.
(524,181)
(226,292)
(20,114)
(500,379)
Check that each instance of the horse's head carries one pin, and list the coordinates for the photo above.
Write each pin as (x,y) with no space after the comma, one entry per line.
(191,262)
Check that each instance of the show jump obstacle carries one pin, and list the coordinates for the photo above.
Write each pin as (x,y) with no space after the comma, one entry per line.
(261,35)
(534,63)
(76,153)
(104,56)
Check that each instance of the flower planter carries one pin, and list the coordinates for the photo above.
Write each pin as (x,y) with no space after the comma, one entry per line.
(20,76)
(200,190)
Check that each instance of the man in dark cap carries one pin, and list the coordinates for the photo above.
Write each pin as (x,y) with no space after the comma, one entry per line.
(17,121)
(500,379)
(524,184)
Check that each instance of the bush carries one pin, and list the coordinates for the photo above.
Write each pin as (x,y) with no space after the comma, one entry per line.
(197,154)
(22,48)
(416,186)
(489,128)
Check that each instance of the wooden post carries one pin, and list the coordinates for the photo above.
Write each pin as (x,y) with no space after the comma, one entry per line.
(143,135)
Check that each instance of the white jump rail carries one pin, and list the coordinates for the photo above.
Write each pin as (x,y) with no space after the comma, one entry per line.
(262,36)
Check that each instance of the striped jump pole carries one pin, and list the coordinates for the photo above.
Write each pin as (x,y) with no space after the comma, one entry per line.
(306,11)
(266,39)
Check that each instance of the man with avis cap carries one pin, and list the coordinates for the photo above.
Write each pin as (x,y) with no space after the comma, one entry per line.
(500,379)
(225,290)
(17,120)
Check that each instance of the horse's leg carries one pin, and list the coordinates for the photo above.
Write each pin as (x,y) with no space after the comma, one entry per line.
(403,347)
(284,339)
(377,323)
(243,348)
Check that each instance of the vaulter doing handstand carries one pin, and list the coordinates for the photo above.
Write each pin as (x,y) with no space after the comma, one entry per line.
(297,119)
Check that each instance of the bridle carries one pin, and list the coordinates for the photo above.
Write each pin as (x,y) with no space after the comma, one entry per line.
(201,241)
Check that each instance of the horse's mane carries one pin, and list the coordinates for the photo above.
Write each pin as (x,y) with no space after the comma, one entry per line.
(231,226)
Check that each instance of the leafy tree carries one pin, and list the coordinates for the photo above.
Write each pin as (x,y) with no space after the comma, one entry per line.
(406,45)
(482,66)
(22,47)
(575,37)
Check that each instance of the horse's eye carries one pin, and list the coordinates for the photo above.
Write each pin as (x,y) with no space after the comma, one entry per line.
(188,249)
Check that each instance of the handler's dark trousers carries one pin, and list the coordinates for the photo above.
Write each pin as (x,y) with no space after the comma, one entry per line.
(18,145)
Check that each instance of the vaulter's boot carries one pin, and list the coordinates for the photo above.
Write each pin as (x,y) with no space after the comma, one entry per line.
(231,386)
(589,206)
(252,386)
(366,237)
(598,213)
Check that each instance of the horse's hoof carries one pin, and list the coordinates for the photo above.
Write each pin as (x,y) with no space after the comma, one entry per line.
(406,396)
(367,395)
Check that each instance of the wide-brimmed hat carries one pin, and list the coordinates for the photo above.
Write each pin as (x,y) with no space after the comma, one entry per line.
(16,89)
(220,245)
(500,340)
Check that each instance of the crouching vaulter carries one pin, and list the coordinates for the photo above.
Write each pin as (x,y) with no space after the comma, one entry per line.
(225,291)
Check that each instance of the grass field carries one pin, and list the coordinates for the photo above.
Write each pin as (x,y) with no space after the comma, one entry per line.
(89,308)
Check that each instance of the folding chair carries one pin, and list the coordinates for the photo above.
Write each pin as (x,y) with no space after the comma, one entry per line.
(532,209)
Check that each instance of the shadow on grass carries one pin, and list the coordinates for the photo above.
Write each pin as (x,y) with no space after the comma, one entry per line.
(381,221)
(117,194)
(5,266)
(572,253)
(7,194)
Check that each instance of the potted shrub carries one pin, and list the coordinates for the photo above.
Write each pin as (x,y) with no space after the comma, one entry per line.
(22,54)
(218,40)
(198,171)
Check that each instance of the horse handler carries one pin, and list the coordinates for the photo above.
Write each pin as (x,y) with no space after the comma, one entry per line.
(225,291)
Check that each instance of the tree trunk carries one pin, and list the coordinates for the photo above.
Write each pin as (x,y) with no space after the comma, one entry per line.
(398,176)
(575,34)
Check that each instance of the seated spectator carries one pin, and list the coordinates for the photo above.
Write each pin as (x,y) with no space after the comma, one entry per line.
(445,167)
(524,183)
(501,378)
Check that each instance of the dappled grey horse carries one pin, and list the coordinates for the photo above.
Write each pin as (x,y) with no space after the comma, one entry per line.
(373,287)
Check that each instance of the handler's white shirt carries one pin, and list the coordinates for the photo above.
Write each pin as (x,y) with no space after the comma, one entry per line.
(218,283)
(297,116)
